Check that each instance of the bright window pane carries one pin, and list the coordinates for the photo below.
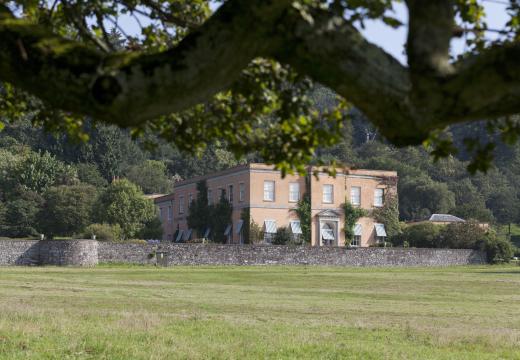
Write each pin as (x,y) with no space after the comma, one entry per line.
(328,193)
(355,195)
(378,197)
(269,190)
(294,192)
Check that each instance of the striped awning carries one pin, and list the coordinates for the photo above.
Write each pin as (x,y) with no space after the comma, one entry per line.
(206,233)
(179,236)
(240,223)
(228,230)
(270,226)
(327,234)
(187,234)
(380,230)
(296,227)
(358,230)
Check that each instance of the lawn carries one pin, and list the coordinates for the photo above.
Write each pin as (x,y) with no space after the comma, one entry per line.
(260,312)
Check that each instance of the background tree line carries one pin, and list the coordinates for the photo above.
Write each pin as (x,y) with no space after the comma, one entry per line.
(33,160)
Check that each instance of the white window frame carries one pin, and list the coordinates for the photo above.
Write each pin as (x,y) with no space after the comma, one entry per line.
(356,241)
(181,204)
(294,192)
(161,213)
(325,199)
(210,196)
(352,199)
(170,214)
(241,191)
(376,197)
(273,192)
(190,200)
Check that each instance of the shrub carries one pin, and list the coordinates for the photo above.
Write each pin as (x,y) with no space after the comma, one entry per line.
(283,236)
(255,233)
(105,232)
(152,230)
(123,203)
(463,235)
(422,235)
(498,250)
(469,235)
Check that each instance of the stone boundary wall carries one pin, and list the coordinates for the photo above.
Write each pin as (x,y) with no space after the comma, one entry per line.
(19,252)
(199,254)
(47,252)
(92,252)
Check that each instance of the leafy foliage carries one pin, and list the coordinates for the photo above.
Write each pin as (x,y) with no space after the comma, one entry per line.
(283,236)
(465,235)
(151,177)
(255,233)
(123,203)
(104,232)
(67,210)
(388,215)
(352,215)
(199,210)
(152,230)
(422,235)
(303,210)
(220,218)
(21,215)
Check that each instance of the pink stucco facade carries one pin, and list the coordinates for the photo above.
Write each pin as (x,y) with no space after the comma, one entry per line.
(272,199)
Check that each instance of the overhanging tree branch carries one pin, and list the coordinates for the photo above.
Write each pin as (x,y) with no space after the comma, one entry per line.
(485,86)
(129,89)
(405,103)
(333,52)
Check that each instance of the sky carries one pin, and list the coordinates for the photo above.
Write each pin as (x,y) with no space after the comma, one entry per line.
(391,40)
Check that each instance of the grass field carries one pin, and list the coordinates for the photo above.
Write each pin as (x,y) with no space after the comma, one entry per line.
(260,312)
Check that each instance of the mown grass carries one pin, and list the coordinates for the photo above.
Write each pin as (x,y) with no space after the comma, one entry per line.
(260,312)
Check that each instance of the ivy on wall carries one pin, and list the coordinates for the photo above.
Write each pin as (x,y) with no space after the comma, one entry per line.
(303,211)
(352,215)
(388,215)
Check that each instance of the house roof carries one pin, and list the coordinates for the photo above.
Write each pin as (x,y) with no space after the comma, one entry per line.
(445,218)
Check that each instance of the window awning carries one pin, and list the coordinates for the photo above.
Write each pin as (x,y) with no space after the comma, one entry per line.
(327,234)
(296,227)
(240,223)
(206,233)
(187,234)
(179,236)
(228,230)
(270,226)
(357,230)
(380,230)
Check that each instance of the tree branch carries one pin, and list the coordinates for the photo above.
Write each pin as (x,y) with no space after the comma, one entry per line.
(128,89)
(485,86)
(404,103)
(334,53)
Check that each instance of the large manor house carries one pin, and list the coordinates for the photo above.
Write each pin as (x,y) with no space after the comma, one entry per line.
(272,199)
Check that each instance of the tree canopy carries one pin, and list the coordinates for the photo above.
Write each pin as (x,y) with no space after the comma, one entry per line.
(242,73)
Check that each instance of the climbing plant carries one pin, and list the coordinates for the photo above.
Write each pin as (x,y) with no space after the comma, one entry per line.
(352,215)
(388,215)
(303,210)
